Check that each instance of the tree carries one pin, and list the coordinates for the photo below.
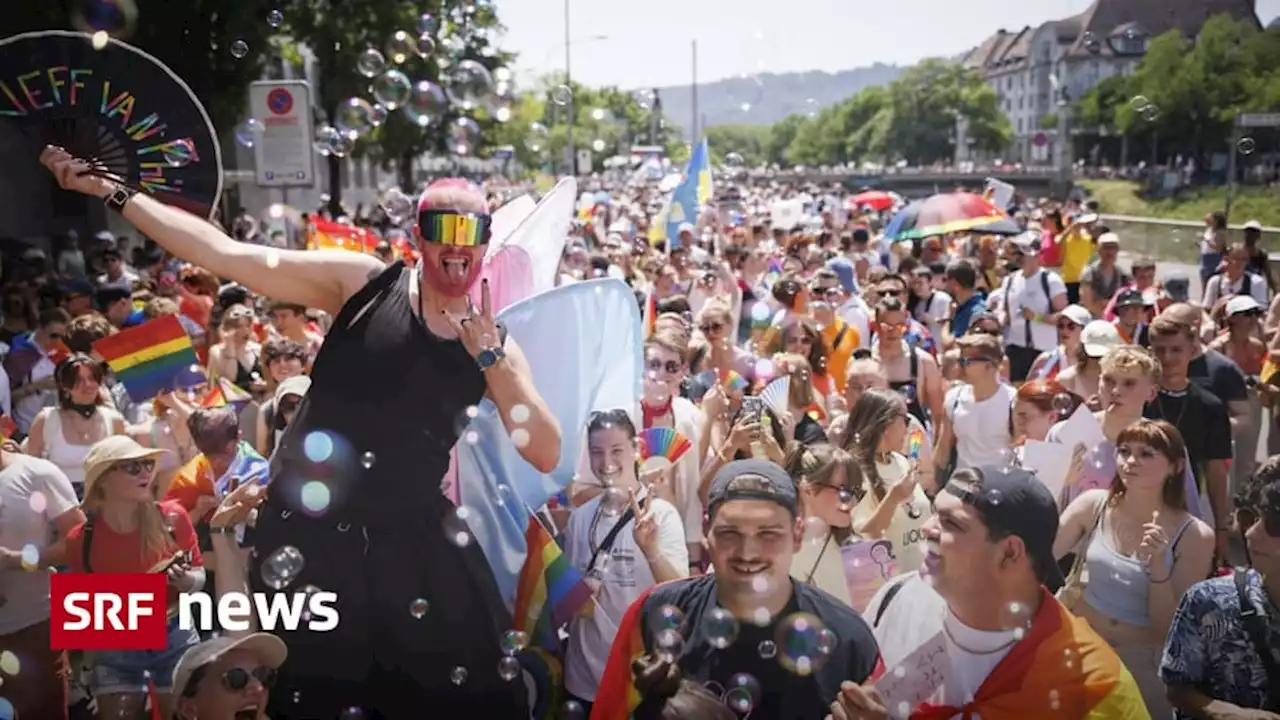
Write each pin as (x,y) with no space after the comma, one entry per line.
(199,53)
(748,141)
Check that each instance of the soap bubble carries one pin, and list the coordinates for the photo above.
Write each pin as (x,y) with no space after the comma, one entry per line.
(418,608)
(470,85)
(426,45)
(427,103)
(458,675)
(1151,113)
(371,63)
(1247,145)
(805,643)
(767,649)
(392,89)
(464,135)
(572,710)
(323,139)
(351,713)
(29,558)
(427,24)
(1063,404)
(315,497)
(367,460)
(513,641)
(37,502)
(669,645)
(455,526)
(249,132)
(282,567)
(275,18)
(561,95)
(537,137)
(503,75)
(733,160)
(1092,43)
(1016,616)
(1139,102)
(397,205)
(377,115)
(743,693)
(341,143)
(644,99)
(598,145)
(400,47)
(613,502)
(178,153)
(509,668)
(600,114)
(519,413)
(721,628)
(355,115)
(239,49)
(670,617)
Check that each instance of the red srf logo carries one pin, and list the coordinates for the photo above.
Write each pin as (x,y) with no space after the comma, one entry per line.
(90,611)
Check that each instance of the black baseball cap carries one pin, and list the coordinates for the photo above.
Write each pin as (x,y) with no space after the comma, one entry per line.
(1130,297)
(774,485)
(1012,501)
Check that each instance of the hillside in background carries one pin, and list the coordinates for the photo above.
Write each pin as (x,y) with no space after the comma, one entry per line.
(771,97)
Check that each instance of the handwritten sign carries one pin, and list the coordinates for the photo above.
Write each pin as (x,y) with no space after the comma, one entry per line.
(868,564)
(916,679)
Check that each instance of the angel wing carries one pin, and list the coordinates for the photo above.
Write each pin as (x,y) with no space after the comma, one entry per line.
(505,221)
(545,231)
(584,347)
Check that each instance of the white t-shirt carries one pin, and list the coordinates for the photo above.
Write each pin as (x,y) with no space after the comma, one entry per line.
(26,409)
(1219,287)
(855,312)
(906,528)
(915,616)
(932,310)
(1018,292)
(624,576)
(981,428)
(27,593)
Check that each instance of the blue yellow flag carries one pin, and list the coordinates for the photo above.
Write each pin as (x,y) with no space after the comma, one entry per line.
(693,191)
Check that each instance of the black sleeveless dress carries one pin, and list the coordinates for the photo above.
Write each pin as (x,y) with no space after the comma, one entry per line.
(386,405)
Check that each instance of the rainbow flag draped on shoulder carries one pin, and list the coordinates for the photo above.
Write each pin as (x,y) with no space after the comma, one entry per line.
(689,196)
(550,592)
(617,697)
(148,358)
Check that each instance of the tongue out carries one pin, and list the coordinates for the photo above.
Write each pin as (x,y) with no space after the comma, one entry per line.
(456,270)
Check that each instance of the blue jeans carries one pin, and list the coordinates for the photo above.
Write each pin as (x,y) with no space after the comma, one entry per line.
(127,671)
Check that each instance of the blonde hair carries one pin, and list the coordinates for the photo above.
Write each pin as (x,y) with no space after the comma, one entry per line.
(1134,359)
(153,530)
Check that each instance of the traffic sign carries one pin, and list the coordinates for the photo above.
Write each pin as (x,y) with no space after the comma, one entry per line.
(283,156)
(1258,120)
(1040,139)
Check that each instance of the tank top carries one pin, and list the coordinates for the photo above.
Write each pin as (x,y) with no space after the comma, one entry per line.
(1118,584)
(68,456)
(910,388)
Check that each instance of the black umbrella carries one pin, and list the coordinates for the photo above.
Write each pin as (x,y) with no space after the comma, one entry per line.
(114,105)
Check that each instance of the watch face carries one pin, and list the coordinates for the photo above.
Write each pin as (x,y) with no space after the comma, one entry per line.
(487,358)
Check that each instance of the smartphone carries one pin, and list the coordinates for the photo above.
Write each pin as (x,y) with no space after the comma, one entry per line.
(753,407)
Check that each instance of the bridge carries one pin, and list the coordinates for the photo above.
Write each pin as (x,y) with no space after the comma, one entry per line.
(922,182)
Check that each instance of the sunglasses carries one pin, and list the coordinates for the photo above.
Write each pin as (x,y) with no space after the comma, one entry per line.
(456,229)
(890,293)
(135,467)
(893,326)
(1247,517)
(1067,325)
(237,679)
(803,340)
(710,327)
(671,366)
(965,362)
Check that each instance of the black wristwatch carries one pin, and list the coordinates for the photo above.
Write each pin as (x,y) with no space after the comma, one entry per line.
(490,357)
(119,198)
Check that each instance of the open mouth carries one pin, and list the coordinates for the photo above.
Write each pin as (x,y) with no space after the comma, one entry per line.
(248,712)
(748,569)
(455,268)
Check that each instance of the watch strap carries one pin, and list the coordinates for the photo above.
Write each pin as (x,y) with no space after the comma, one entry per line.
(119,198)
(490,357)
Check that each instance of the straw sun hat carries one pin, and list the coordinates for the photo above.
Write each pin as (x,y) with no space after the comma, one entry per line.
(108,452)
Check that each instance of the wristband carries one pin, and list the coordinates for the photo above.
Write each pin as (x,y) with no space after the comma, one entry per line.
(223,530)
(118,199)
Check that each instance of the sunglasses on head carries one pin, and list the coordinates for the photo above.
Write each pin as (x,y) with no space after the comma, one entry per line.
(443,227)
(1247,517)
(671,366)
(136,467)
(237,679)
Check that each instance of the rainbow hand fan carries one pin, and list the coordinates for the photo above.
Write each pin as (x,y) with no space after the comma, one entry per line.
(731,380)
(914,441)
(777,394)
(662,447)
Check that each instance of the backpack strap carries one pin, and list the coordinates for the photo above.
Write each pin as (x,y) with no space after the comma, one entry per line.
(610,538)
(1255,624)
(889,594)
(86,547)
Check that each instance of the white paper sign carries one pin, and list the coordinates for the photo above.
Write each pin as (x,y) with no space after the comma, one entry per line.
(915,679)
(1083,428)
(1049,461)
(282,147)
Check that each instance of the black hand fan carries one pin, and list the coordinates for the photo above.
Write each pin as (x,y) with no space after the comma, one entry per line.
(117,107)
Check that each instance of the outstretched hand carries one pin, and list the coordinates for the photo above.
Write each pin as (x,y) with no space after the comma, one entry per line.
(478,331)
(72,173)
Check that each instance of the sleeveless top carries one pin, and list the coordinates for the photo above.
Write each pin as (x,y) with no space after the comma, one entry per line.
(68,456)
(1118,584)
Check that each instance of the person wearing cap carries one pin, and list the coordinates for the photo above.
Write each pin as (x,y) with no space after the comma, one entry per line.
(1140,549)
(1143,271)
(76,297)
(1070,323)
(237,356)
(1013,650)
(1081,377)
(1030,300)
(1077,243)
(1103,278)
(128,531)
(1235,279)
(1239,339)
(1259,260)
(1132,313)
(288,398)
(116,305)
(228,678)
(750,599)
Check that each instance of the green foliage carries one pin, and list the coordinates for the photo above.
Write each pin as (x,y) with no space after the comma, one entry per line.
(192,37)
(912,118)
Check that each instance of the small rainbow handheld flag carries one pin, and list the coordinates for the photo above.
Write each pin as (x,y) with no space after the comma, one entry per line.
(550,591)
(1270,369)
(914,441)
(223,393)
(148,357)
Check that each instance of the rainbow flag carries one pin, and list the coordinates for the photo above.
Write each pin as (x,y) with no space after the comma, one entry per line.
(329,235)
(617,697)
(148,357)
(224,393)
(550,590)
(1270,369)
(650,314)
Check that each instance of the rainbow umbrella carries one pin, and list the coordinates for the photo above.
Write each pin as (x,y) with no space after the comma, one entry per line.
(943,214)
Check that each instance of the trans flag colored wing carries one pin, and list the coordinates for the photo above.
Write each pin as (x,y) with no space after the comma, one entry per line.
(584,347)
(505,221)
(544,233)
(510,276)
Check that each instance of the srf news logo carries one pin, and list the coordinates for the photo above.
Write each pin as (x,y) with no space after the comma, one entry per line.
(91,611)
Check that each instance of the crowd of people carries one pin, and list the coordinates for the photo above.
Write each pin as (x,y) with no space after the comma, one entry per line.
(1047,458)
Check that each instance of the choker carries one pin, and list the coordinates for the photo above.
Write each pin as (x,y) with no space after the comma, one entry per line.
(84,411)
(652,413)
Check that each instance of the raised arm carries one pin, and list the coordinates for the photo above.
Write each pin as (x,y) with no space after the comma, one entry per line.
(319,279)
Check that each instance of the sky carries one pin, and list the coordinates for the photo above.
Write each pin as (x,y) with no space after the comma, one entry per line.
(632,44)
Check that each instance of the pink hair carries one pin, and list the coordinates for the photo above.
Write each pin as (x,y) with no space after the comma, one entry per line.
(453,194)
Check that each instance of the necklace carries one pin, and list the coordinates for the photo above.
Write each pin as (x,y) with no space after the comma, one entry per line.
(947,629)
(70,421)
(1181,396)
